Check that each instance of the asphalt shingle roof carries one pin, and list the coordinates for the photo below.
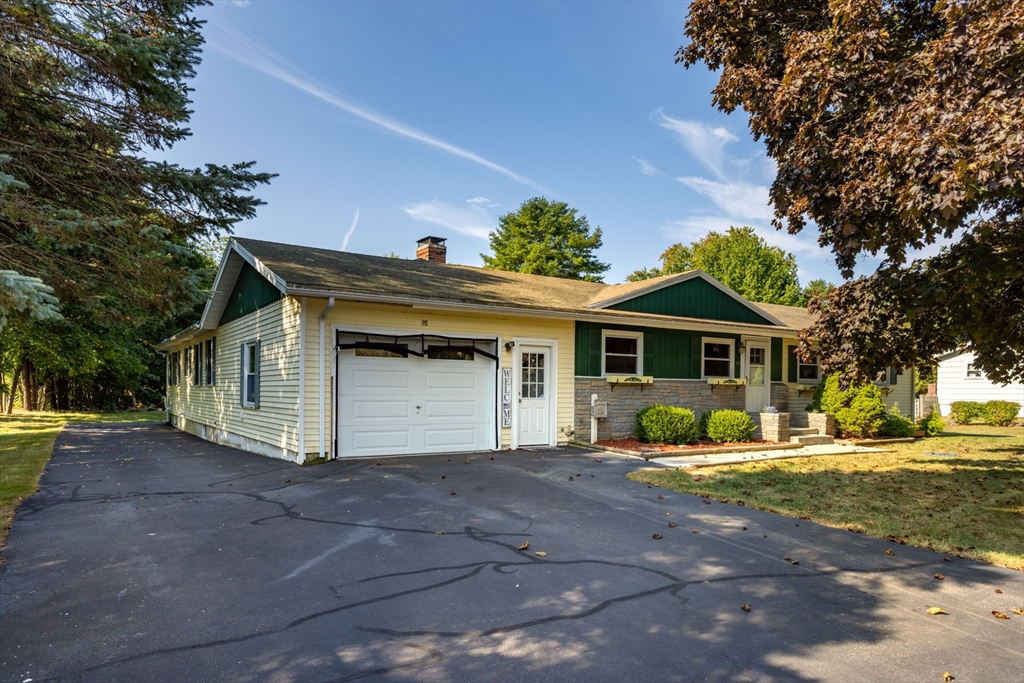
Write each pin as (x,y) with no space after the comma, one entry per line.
(333,271)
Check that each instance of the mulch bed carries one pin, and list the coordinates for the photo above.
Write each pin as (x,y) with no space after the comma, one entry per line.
(632,444)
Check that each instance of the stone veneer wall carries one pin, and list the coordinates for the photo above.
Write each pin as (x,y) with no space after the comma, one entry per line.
(624,401)
(780,396)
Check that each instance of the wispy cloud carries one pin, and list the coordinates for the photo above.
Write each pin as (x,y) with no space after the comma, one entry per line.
(478,200)
(705,143)
(351,230)
(253,55)
(736,199)
(647,168)
(472,220)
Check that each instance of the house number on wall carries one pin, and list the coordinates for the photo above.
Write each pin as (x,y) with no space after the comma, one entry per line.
(506,397)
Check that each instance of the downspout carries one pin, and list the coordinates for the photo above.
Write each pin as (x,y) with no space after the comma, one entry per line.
(322,359)
(302,381)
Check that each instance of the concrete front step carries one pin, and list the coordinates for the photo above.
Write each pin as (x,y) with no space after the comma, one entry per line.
(813,439)
(802,431)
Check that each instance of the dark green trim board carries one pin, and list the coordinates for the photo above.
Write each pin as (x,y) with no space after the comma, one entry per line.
(668,354)
(694,298)
(791,360)
(252,291)
(776,359)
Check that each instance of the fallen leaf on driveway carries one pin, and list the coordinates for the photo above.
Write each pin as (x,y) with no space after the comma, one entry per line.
(660,496)
(787,559)
(889,552)
(940,577)
(1018,610)
(695,531)
(672,525)
(1000,615)
(745,608)
(524,546)
(453,493)
(657,537)
(541,553)
(947,677)
(998,591)
(439,533)
(937,610)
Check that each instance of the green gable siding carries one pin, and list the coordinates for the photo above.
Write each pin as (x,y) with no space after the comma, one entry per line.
(668,354)
(694,298)
(252,291)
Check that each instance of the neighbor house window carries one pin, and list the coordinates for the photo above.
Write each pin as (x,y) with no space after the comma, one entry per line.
(883,378)
(974,372)
(718,357)
(250,367)
(807,373)
(623,353)
(210,362)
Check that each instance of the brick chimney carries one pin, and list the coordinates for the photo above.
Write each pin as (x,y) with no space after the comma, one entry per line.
(432,249)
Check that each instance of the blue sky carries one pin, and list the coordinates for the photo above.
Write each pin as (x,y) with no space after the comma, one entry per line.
(390,121)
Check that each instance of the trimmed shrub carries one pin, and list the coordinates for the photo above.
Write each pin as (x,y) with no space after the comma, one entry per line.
(665,424)
(933,424)
(859,411)
(1001,413)
(896,424)
(965,412)
(729,425)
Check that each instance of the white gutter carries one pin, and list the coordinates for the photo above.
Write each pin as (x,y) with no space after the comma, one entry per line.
(322,357)
(302,381)
(651,321)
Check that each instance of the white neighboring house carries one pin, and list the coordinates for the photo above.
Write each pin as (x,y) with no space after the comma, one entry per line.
(959,379)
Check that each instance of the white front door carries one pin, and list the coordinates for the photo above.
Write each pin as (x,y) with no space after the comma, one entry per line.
(757,376)
(534,396)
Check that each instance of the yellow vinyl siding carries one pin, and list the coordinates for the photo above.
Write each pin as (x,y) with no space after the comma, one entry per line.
(275,422)
(902,392)
(357,315)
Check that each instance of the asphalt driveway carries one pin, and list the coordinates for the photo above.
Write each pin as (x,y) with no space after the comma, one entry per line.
(150,555)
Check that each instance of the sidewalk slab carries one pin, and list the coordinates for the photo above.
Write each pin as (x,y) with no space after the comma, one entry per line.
(755,455)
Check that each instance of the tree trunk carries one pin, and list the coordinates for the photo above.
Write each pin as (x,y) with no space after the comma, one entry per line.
(14,388)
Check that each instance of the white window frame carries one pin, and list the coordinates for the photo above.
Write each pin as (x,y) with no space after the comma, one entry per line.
(884,382)
(623,334)
(704,341)
(248,401)
(972,367)
(801,380)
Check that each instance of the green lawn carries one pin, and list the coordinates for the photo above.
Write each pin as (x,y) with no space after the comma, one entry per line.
(26,443)
(971,505)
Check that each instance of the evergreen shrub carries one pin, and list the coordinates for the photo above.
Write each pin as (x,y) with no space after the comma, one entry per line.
(965,412)
(665,424)
(729,426)
(859,411)
(933,424)
(896,424)
(1001,413)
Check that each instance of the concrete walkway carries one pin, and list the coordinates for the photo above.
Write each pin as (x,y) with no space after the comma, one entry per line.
(756,455)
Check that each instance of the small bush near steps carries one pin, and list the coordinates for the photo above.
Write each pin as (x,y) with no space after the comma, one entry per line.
(859,411)
(933,424)
(665,424)
(896,424)
(728,426)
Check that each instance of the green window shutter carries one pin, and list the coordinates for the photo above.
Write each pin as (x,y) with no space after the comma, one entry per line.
(892,376)
(213,361)
(649,362)
(696,353)
(256,393)
(776,359)
(241,375)
(791,358)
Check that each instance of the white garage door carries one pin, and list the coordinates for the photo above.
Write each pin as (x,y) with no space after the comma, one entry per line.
(397,406)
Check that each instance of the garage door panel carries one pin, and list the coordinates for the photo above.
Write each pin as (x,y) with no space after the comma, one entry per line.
(439,440)
(450,408)
(376,440)
(452,378)
(367,409)
(374,379)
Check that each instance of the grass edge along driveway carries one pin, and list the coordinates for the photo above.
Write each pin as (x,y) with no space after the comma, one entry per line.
(970,504)
(26,444)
